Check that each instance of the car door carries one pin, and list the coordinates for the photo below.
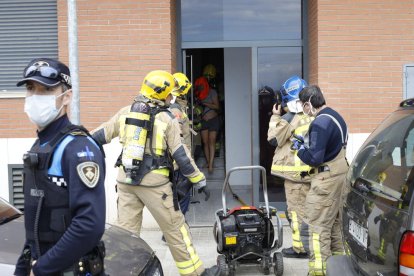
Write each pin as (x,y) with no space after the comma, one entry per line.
(375,213)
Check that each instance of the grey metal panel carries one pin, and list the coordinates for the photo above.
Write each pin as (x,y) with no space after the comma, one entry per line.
(238,110)
(408,81)
(16,196)
(28,29)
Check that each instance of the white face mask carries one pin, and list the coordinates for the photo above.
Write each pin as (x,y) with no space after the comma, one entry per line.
(295,106)
(312,110)
(41,109)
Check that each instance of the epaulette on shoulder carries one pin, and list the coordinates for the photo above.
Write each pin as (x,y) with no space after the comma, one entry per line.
(78,133)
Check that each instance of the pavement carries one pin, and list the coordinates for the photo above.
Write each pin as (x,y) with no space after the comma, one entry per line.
(205,245)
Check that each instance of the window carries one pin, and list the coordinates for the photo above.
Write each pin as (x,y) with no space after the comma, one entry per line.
(384,165)
(277,64)
(225,20)
(408,80)
(28,29)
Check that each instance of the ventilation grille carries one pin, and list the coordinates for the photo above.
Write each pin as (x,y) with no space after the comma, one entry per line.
(28,29)
(16,186)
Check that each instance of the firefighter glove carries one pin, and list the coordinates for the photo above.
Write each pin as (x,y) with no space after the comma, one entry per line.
(200,185)
(297,145)
(202,188)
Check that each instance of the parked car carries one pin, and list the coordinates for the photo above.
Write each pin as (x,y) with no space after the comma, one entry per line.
(126,254)
(378,224)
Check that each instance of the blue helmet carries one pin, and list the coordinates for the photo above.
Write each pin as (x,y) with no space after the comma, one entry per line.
(291,88)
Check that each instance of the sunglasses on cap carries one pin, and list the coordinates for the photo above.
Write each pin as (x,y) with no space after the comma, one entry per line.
(45,71)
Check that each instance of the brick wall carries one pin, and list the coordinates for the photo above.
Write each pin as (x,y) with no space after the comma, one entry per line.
(119,42)
(357,50)
(361,47)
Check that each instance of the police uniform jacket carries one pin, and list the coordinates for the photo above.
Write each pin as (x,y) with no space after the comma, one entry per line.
(72,217)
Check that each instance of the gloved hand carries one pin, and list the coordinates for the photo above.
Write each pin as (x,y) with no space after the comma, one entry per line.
(200,185)
(299,138)
(202,188)
(297,145)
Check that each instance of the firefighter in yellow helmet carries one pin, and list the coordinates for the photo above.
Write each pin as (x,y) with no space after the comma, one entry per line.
(145,181)
(286,163)
(178,107)
(209,72)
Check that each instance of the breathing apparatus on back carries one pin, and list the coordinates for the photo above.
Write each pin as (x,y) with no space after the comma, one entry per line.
(155,88)
(137,124)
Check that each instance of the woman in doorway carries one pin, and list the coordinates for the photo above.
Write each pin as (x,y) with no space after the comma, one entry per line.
(210,123)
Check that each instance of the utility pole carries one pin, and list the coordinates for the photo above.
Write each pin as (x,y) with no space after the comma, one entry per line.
(73,61)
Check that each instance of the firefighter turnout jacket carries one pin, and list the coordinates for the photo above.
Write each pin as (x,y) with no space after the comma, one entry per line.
(179,111)
(163,142)
(286,163)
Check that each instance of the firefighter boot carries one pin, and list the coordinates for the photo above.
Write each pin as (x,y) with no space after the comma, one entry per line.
(212,271)
(290,253)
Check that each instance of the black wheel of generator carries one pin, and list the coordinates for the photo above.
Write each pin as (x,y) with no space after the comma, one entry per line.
(222,264)
(266,265)
(278,263)
(215,232)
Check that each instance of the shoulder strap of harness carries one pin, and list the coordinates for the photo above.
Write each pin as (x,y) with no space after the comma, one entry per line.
(344,137)
(154,111)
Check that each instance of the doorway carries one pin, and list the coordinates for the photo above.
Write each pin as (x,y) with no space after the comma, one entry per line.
(196,62)
(234,88)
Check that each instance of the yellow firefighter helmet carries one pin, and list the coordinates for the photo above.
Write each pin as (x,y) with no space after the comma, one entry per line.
(209,71)
(157,85)
(183,85)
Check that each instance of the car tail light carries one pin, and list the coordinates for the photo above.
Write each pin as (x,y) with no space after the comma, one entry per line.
(406,259)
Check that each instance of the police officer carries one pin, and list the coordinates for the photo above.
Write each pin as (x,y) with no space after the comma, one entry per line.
(286,163)
(178,107)
(64,174)
(149,183)
(324,149)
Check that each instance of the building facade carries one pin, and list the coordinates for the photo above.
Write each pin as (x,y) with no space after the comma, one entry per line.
(361,53)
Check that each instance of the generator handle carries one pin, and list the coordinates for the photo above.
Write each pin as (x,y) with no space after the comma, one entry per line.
(251,168)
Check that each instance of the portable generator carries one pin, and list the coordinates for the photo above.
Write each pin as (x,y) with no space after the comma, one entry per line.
(245,235)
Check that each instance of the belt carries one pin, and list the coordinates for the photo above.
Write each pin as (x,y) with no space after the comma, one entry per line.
(319,169)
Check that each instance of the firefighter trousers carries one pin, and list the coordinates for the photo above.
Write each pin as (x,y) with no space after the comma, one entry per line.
(296,193)
(321,227)
(159,201)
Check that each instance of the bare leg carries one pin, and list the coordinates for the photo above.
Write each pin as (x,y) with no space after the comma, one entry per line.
(204,138)
(212,135)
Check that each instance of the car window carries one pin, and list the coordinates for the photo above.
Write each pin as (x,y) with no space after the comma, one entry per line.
(384,163)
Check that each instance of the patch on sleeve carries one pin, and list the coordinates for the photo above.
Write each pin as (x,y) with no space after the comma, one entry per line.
(88,173)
